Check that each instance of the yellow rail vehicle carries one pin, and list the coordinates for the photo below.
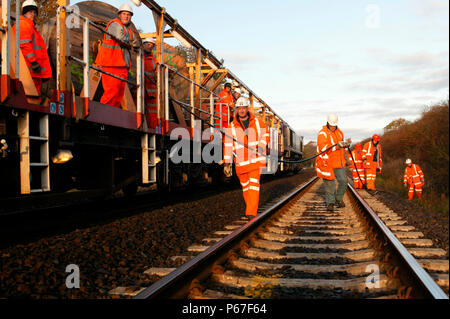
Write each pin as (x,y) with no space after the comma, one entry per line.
(66,139)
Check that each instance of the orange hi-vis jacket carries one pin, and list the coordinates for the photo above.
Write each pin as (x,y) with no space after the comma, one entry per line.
(33,48)
(256,137)
(150,89)
(414,175)
(111,54)
(333,158)
(224,106)
(357,157)
(369,153)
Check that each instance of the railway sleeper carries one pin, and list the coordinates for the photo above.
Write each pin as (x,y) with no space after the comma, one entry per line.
(285,237)
(229,278)
(361,255)
(357,269)
(273,245)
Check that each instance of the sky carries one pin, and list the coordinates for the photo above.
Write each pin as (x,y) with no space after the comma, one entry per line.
(370,62)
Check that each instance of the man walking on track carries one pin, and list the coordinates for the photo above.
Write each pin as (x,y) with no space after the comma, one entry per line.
(247,139)
(331,164)
(414,178)
(372,160)
(357,167)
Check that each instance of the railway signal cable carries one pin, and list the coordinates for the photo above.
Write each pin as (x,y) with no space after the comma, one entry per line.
(186,107)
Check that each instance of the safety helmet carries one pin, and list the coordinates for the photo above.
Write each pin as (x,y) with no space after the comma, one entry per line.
(358,146)
(137,3)
(332,119)
(149,40)
(29,5)
(242,102)
(237,90)
(125,7)
(376,137)
(408,161)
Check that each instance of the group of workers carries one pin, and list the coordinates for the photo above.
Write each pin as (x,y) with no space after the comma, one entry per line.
(365,161)
(248,139)
(114,57)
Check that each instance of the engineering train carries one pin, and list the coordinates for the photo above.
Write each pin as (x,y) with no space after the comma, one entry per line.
(68,140)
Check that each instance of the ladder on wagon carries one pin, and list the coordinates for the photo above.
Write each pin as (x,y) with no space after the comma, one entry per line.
(33,131)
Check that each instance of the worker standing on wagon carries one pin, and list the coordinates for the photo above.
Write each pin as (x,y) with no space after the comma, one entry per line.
(331,164)
(247,139)
(114,58)
(33,46)
(224,107)
(150,82)
(414,178)
(372,160)
(357,167)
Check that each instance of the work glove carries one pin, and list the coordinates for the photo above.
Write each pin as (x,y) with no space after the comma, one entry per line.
(341,144)
(227,170)
(35,67)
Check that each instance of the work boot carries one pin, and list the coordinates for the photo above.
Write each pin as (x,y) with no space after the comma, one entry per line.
(340,203)
(330,207)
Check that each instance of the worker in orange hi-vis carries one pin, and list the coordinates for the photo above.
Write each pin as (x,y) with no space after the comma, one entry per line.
(372,160)
(33,46)
(246,140)
(331,162)
(150,83)
(414,178)
(357,167)
(224,107)
(115,59)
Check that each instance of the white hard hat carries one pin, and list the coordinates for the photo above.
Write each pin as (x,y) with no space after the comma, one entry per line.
(332,119)
(29,3)
(408,161)
(237,90)
(151,40)
(242,102)
(125,7)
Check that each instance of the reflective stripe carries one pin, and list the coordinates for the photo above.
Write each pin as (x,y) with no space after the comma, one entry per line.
(29,55)
(245,184)
(25,41)
(228,144)
(108,46)
(227,157)
(245,189)
(325,134)
(323,173)
(254,180)
(243,163)
(254,188)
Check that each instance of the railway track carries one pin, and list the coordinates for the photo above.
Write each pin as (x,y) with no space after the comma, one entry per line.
(296,249)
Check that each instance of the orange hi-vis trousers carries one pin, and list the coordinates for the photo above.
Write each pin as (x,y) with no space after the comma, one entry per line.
(371,174)
(250,189)
(357,183)
(114,88)
(417,188)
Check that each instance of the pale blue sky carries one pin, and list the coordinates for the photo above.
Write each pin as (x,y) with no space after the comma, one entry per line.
(370,62)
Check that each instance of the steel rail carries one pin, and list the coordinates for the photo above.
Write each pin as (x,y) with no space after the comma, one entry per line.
(168,285)
(422,278)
